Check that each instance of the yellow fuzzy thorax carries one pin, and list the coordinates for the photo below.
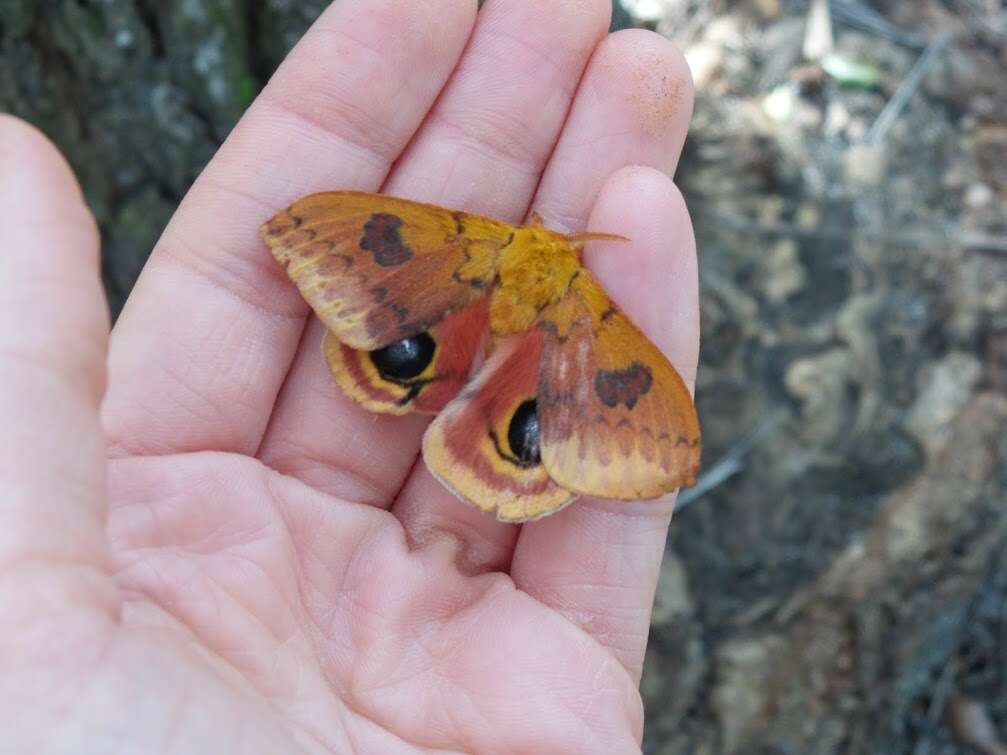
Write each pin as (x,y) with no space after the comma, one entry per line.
(535,271)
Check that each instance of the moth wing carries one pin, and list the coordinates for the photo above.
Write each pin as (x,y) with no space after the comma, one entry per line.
(617,420)
(453,344)
(468,447)
(376,269)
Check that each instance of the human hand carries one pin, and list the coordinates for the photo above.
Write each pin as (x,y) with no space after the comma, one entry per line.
(237,557)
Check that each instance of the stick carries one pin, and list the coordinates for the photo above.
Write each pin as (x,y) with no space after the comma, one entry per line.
(729,464)
(891,112)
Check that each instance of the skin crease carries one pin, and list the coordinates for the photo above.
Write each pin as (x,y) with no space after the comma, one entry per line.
(234,557)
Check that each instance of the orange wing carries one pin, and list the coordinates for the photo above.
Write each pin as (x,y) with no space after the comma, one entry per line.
(378,269)
(484,445)
(616,419)
(420,373)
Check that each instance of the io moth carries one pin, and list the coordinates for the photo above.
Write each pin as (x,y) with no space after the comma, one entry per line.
(543,389)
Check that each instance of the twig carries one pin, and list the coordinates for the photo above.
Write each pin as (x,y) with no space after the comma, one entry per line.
(891,112)
(973,242)
(863,17)
(729,464)
(818,37)
(972,725)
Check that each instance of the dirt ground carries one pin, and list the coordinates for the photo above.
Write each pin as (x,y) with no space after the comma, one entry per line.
(840,587)
(836,582)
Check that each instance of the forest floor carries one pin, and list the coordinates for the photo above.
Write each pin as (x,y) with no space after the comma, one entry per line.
(836,582)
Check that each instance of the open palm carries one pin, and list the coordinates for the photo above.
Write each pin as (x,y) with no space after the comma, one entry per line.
(236,558)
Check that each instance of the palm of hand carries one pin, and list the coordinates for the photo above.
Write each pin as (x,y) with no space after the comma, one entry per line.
(304,620)
(271,571)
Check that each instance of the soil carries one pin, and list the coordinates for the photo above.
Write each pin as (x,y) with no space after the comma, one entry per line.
(840,585)
(836,581)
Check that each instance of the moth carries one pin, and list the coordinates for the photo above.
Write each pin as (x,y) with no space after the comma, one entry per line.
(543,389)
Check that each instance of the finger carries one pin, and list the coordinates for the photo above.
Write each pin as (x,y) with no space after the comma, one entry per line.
(632,105)
(597,561)
(633,108)
(53,332)
(482,149)
(206,339)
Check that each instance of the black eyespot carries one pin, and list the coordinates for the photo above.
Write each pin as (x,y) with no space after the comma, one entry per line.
(523,434)
(405,359)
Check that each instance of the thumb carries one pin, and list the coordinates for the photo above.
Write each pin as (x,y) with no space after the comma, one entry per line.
(53,333)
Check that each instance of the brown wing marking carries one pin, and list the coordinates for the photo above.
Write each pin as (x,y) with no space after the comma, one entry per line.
(376,269)
(617,420)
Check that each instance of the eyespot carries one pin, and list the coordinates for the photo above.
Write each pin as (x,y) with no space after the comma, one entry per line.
(523,434)
(405,359)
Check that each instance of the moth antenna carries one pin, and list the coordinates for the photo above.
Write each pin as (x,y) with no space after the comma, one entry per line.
(580,238)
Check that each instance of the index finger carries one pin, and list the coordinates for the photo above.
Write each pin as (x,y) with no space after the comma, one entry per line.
(206,339)
(53,552)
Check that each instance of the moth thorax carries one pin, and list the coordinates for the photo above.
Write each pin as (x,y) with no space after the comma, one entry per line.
(538,272)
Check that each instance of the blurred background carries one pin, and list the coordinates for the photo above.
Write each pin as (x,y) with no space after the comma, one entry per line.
(837,581)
